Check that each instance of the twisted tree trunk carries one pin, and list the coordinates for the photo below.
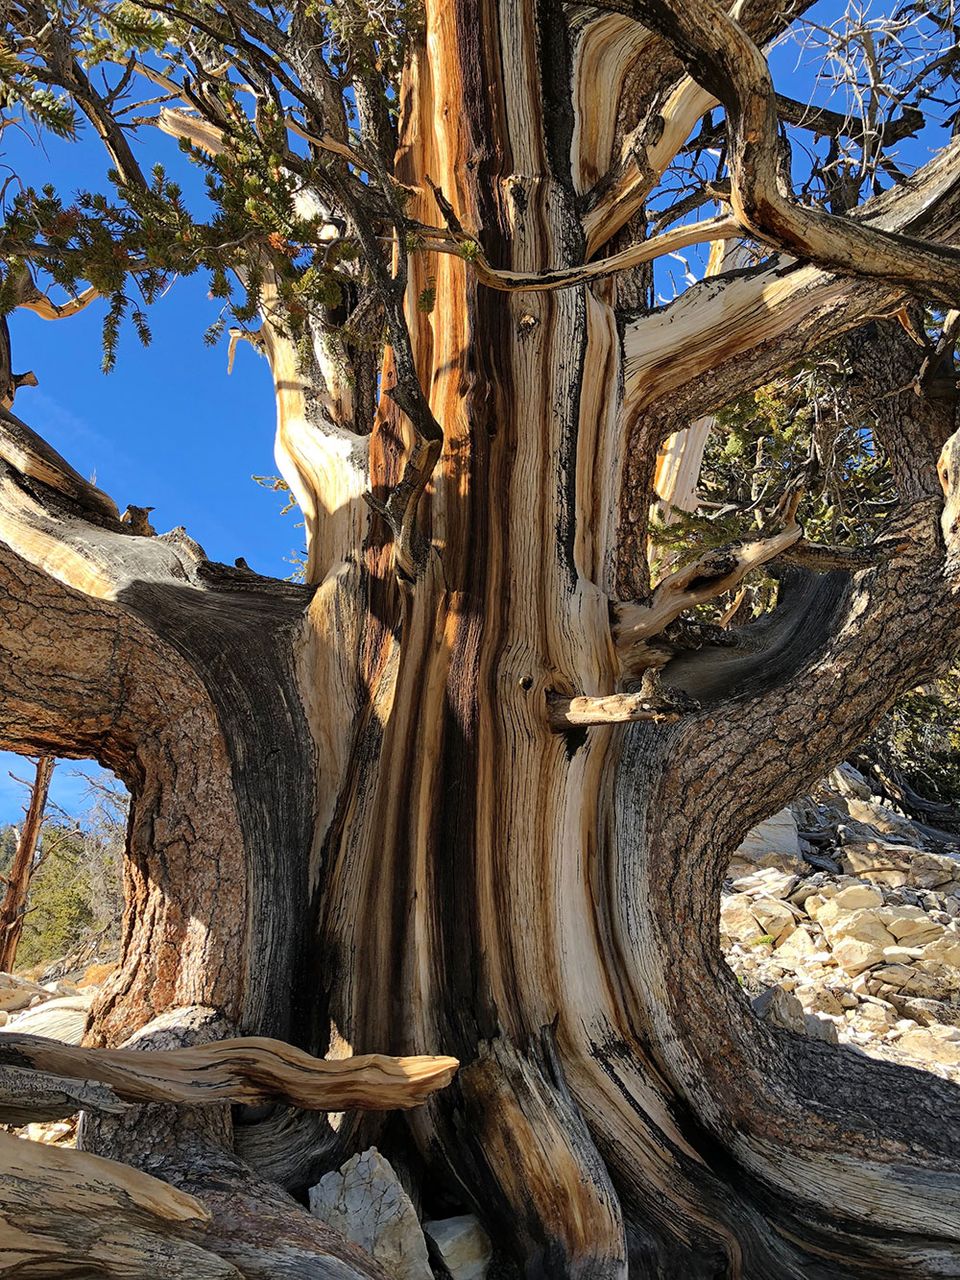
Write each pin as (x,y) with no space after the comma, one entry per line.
(365,816)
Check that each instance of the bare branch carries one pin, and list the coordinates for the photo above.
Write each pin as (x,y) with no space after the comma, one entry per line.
(248,1070)
(653,702)
(711,229)
(737,330)
(730,65)
(707,578)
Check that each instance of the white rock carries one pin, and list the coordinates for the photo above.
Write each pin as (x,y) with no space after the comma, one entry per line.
(17,993)
(930,1048)
(911,926)
(737,918)
(854,956)
(64,1019)
(775,917)
(796,948)
(856,896)
(769,881)
(774,843)
(365,1202)
(849,782)
(463,1246)
(943,950)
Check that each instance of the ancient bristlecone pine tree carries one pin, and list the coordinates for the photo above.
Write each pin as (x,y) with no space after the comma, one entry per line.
(470,789)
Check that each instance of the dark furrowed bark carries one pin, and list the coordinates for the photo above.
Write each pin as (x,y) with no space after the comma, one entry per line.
(239,635)
(813,1136)
(184,684)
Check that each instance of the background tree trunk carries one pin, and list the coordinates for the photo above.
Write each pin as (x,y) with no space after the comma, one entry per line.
(21,869)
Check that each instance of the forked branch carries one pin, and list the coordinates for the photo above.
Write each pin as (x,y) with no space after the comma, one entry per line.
(707,578)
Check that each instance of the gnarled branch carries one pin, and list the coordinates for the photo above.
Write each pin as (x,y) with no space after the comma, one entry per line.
(251,1069)
(729,64)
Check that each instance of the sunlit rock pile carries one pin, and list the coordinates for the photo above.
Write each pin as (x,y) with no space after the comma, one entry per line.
(853,935)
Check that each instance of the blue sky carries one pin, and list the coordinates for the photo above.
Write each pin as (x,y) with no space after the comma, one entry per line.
(69,786)
(168,428)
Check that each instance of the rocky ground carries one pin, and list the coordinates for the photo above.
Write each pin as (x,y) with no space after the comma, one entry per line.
(840,918)
(853,935)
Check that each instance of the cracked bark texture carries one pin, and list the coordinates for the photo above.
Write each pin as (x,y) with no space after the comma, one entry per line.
(355,825)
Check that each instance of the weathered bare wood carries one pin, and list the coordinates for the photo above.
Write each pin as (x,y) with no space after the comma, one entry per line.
(24,450)
(354,824)
(27,1095)
(731,66)
(66,1213)
(613,708)
(708,577)
(725,336)
(252,1069)
(711,229)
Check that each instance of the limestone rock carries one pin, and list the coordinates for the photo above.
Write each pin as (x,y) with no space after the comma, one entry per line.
(774,917)
(855,897)
(926,1046)
(911,926)
(780,1008)
(849,783)
(865,950)
(64,1019)
(796,948)
(16,993)
(774,843)
(737,919)
(463,1246)
(818,1028)
(883,820)
(365,1202)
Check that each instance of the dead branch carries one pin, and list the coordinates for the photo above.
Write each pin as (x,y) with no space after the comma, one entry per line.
(27,453)
(252,1069)
(464,245)
(21,869)
(65,1212)
(653,702)
(707,578)
(26,1096)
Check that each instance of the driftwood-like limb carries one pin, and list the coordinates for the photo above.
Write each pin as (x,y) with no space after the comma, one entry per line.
(725,336)
(24,450)
(27,1095)
(47,309)
(652,702)
(252,1069)
(645,157)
